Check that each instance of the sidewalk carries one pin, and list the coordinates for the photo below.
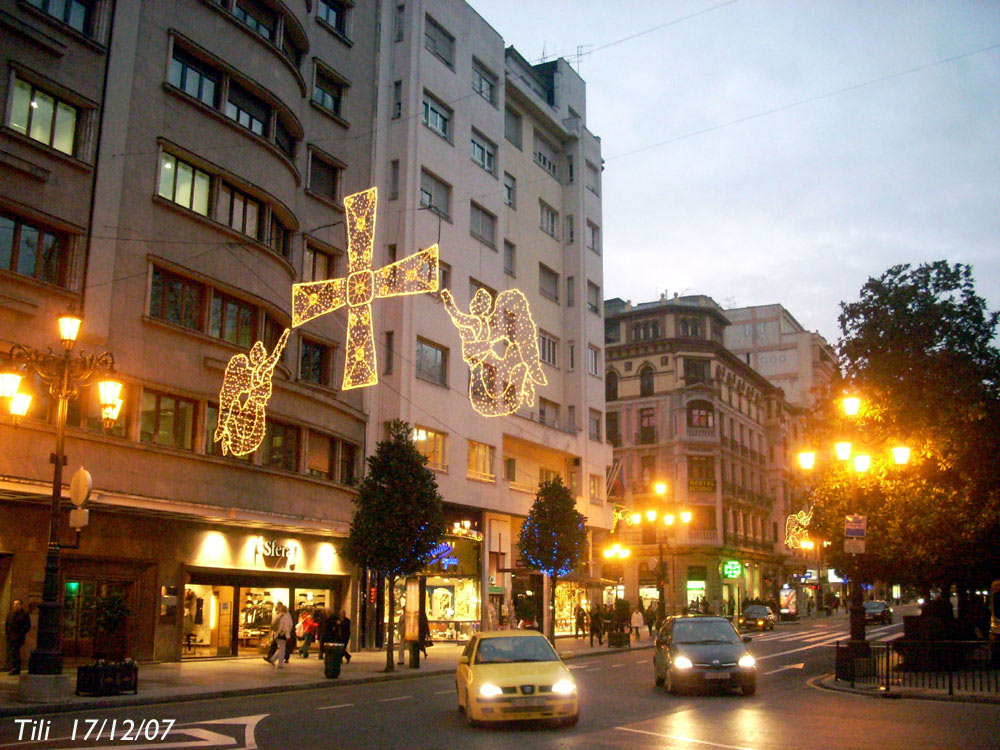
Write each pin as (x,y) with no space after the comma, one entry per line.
(221,678)
(830,682)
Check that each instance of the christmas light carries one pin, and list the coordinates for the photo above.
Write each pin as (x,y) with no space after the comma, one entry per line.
(412,275)
(500,346)
(796,527)
(246,389)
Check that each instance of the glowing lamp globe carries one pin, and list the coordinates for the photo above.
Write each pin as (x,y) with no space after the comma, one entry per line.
(685,516)
(660,488)
(843,450)
(807,459)
(852,405)
(668,519)
(650,515)
(862,463)
(10,381)
(901,455)
(69,329)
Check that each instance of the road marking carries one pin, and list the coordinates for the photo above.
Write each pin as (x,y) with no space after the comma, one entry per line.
(643,661)
(389,700)
(339,705)
(831,640)
(442,692)
(616,666)
(594,669)
(685,739)
(800,665)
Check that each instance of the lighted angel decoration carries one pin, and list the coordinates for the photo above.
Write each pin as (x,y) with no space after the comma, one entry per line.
(500,345)
(796,528)
(246,389)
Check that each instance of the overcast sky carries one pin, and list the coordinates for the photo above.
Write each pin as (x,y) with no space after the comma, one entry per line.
(804,145)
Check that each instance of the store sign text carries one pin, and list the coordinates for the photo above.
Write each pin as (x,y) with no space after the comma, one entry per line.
(276,555)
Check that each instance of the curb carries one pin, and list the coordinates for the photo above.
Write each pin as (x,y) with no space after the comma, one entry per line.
(127,701)
(829,682)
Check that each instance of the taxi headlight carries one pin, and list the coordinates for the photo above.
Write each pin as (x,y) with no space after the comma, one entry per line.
(564,687)
(760,622)
(682,662)
(746,661)
(489,690)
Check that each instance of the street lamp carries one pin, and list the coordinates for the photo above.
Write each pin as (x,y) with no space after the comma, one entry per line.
(61,373)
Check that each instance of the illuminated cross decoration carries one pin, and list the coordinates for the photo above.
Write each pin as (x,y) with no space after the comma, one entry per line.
(412,275)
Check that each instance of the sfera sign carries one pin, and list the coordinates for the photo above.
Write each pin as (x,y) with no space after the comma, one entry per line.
(275,554)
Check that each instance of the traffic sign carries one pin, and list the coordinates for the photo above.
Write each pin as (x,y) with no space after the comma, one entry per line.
(854,546)
(855,526)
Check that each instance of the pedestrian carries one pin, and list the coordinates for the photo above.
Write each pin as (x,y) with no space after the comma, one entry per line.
(281,628)
(309,628)
(649,617)
(17,626)
(809,607)
(596,625)
(637,622)
(402,634)
(581,622)
(345,633)
(425,633)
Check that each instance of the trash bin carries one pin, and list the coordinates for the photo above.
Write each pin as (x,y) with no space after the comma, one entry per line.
(333,657)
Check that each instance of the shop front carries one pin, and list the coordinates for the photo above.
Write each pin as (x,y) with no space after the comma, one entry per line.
(453,600)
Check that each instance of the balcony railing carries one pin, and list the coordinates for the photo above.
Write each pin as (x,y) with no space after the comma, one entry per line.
(701,433)
(480,476)
(522,487)
(703,536)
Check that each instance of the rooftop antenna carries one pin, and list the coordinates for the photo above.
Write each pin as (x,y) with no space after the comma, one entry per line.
(581,50)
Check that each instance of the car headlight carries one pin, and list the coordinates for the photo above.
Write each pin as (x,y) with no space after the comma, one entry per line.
(682,662)
(746,661)
(489,690)
(760,622)
(564,687)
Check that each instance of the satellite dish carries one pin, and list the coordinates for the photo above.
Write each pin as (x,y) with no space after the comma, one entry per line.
(80,487)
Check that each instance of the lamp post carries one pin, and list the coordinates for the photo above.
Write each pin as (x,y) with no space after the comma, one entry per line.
(61,373)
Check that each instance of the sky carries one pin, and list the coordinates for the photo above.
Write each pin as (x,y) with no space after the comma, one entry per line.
(760,151)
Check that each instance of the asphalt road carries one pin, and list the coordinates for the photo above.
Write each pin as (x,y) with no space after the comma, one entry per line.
(620,708)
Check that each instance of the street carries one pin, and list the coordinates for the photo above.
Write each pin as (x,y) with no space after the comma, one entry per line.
(620,707)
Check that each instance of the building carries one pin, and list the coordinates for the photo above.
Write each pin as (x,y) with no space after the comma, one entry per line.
(170,170)
(685,412)
(489,156)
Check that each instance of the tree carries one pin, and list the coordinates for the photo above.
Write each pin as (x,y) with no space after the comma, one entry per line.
(554,536)
(398,516)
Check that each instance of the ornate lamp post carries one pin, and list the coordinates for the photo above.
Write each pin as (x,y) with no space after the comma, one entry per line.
(61,373)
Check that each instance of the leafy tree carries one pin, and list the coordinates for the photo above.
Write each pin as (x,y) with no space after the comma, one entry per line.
(398,516)
(554,536)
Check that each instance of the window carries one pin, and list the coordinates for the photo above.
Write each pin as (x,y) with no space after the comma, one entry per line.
(281,446)
(548,412)
(184,184)
(167,420)
(512,127)
(349,464)
(432,362)
(43,117)
(393,179)
(595,487)
(389,353)
(444,276)
(690,327)
(547,475)
(435,195)
(570,229)
(701,414)
(432,445)
(593,297)
(593,360)
(509,258)
(329,93)
(593,178)
(397,23)
(546,155)
(701,468)
(318,265)
(570,169)
(479,461)
(334,13)
(33,250)
(612,331)
(510,469)
(314,362)
(233,320)
(611,428)
(324,177)
(239,211)
(548,282)
(320,455)
(194,77)
(176,300)
(483,152)
(247,110)
(73,13)
(548,219)
(281,238)
(509,190)
(593,237)
(646,382)
(571,417)
(397,100)
(482,225)
(437,116)
(439,42)
(484,82)
(570,291)
(611,386)
(594,424)
(571,355)
(259,19)
(695,371)
(547,348)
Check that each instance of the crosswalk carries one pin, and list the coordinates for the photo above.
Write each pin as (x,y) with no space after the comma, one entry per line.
(824,634)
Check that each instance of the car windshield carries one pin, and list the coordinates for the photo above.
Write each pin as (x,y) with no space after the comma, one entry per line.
(514,649)
(704,631)
(755,611)
(874,606)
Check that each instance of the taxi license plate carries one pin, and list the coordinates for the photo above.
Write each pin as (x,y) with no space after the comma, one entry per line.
(717,675)
(534,701)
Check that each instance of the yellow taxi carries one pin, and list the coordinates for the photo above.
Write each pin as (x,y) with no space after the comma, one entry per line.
(510,675)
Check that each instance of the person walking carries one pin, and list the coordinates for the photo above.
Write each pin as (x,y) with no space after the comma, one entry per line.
(309,627)
(344,631)
(17,626)
(596,625)
(581,622)
(402,635)
(281,628)
(425,633)
(637,622)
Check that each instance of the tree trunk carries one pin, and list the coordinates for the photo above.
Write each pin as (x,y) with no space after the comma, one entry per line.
(390,662)
(552,609)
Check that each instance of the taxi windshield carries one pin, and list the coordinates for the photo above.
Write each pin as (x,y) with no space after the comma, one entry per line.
(515,649)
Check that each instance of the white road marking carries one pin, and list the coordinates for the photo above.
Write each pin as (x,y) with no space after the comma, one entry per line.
(339,705)
(616,666)
(442,692)
(685,739)
(800,665)
(643,661)
(389,700)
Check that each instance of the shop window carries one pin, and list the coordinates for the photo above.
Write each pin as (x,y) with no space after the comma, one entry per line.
(167,420)
(81,602)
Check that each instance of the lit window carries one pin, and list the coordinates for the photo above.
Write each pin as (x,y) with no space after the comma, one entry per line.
(479,461)
(43,117)
(184,184)
(167,420)
(432,445)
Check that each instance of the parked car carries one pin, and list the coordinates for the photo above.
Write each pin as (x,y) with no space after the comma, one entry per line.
(509,675)
(878,612)
(757,616)
(703,651)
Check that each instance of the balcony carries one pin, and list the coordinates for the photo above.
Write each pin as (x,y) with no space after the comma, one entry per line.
(701,433)
(615,439)
(480,476)
(522,487)
(703,536)
(645,436)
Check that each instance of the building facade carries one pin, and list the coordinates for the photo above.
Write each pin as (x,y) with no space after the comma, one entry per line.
(169,170)
(489,157)
(685,413)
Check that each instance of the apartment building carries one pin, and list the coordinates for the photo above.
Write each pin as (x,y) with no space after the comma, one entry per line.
(169,170)
(697,436)
(489,156)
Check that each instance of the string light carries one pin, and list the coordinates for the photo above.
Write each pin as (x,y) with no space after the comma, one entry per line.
(246,389)
(412,275)
(500,346)
(796,527)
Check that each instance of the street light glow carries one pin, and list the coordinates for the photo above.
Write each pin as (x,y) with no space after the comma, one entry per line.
(807,459)
(685,516)
(843,450)
(660,488)
(852,404)
(901,455)
(10,381)
(862,463)
(668,519)
(69,329)
(650,515)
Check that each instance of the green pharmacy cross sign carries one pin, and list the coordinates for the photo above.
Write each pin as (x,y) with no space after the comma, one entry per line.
(731,569)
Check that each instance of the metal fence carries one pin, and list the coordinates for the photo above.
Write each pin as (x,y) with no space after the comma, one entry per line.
(955,666)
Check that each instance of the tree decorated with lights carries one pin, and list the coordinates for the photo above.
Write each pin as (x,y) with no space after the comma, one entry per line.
(398,516)
(553,537)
